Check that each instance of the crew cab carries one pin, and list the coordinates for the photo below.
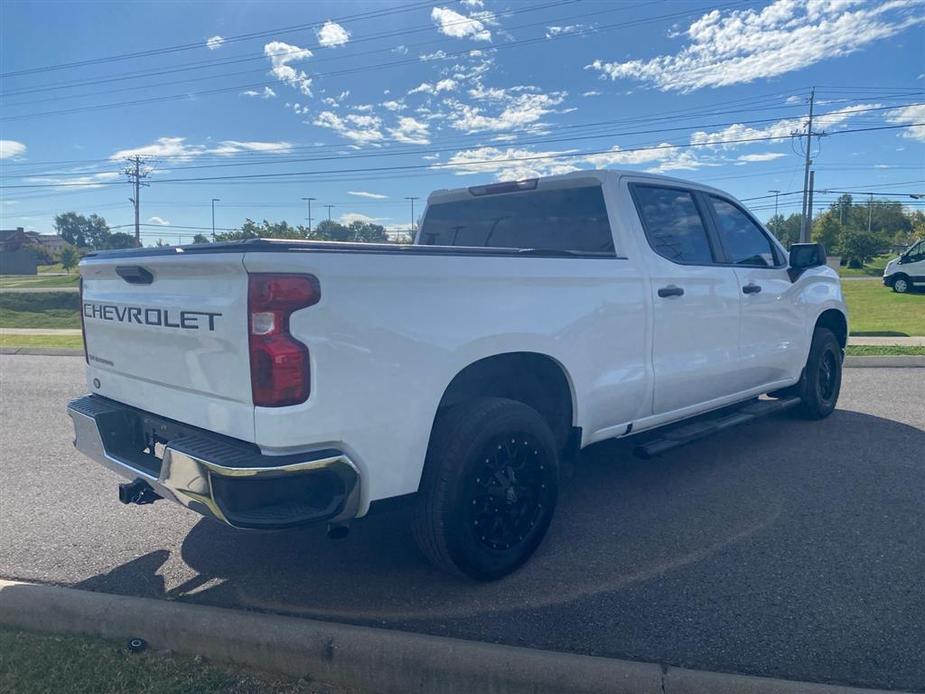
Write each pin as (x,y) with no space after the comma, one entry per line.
(269,383)
(904,272)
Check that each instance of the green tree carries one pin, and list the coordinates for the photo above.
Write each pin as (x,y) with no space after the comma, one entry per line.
(787,230)
(81,231)
(859,246)
(69,258)
(118,239)
(200,238)
(827,230)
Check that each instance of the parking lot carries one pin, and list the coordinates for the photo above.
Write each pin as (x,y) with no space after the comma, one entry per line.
(784,548)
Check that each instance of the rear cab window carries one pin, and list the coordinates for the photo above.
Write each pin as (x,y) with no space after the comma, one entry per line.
(572,220)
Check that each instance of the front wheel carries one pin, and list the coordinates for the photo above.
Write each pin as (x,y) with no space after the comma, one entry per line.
(901,284)
(820,383)
(489,488)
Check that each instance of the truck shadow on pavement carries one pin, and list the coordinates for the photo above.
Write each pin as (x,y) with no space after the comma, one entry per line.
(809,498)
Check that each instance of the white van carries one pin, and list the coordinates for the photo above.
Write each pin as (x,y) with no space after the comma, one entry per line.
(904,272)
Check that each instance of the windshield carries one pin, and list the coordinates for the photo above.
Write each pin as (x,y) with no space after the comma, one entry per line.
(569,219)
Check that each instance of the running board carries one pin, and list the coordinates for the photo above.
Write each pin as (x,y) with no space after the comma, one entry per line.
(698,430)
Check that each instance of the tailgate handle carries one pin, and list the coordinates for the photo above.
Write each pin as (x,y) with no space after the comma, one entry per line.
(134,274)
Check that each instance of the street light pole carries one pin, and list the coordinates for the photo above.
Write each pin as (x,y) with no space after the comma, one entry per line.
(214,200)
(412,198)
(309,201)
(329,210)
(776,196)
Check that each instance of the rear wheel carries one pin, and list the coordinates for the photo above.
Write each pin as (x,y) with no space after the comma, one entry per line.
(820,383)
(489,488)
(901,284)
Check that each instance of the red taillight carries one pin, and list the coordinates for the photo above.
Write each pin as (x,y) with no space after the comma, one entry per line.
(83,328)
(279,363)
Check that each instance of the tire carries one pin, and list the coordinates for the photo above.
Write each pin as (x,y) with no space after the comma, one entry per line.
(456,503)
(820,382)
(901,284)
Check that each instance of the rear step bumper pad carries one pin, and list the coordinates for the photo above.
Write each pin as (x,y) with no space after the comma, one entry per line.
(216,476)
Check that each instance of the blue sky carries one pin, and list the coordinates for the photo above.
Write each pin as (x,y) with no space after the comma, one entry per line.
(360,104)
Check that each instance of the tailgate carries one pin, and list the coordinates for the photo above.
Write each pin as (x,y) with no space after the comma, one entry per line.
(168,334)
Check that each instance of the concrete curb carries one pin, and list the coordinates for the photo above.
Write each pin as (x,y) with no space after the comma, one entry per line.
(362,658)
(894,362)
(44,351)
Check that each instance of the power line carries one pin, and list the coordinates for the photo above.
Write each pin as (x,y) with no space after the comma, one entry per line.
(200,44)
(487,162)
(363,68)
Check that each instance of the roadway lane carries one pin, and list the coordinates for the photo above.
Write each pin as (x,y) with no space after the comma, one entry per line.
(784,548)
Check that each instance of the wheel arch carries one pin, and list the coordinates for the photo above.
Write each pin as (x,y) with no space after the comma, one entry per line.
(837,322)
(535,379)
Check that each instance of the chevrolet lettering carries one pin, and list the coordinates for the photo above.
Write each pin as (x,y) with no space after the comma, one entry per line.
(168,318)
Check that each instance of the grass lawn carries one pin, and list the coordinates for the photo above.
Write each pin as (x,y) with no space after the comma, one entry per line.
(876,310)
(57,341)
(31,663)
(872,269)
(56,267)
(885,351)
(39,310)
(30,281)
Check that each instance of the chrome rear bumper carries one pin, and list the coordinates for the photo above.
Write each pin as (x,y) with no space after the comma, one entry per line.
(221,478)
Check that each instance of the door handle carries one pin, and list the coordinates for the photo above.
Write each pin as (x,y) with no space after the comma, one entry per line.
(751,288)
(670,290)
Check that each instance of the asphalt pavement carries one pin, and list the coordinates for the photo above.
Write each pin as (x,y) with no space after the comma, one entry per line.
(784,548)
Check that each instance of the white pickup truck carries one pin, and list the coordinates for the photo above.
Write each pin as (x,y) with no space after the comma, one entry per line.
(269,384)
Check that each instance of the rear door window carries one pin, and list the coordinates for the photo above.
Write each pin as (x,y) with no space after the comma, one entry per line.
(564,219)
(673,225)
(743,240)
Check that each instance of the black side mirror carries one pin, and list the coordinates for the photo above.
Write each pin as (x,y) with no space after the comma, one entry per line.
(803,256)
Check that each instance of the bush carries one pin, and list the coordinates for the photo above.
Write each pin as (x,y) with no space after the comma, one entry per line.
(35,302)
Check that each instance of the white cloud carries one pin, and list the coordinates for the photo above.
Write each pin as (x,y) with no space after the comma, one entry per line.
(520,110)
(436,55)
(762,156)
(472,3)
(351,217)
(364,194)
(444,85)
(358,128)
(266,93)
(458,26)
(96,180)
(567,29)
(214,42)
(158,220)
(394,105)
(332,34)
(280,55)
(230,147)
(779,130)
(173,147)
(400,49)
(910,114)
(499,161)
(178,149)
(591,93)
(741,46)
(410,131)
(11,148)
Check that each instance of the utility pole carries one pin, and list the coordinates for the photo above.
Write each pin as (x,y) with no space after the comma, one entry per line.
(412,198)
(329,210)
(776,196)
(309,201)
(214,200)
(805,222)
(135,174)
(809,204)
